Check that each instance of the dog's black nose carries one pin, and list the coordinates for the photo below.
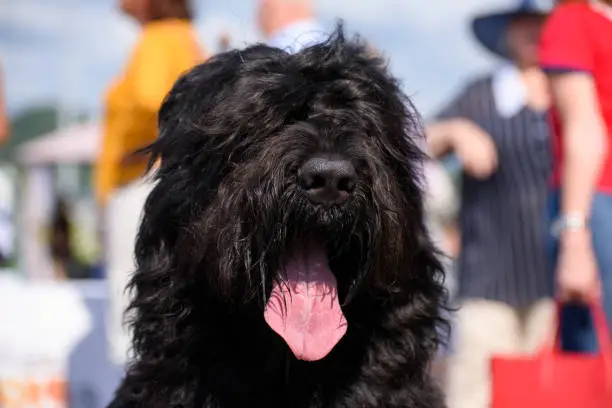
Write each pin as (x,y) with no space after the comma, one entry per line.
(327,179)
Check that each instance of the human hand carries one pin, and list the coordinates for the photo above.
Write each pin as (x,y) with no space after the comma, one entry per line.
(474,148)
(577,274)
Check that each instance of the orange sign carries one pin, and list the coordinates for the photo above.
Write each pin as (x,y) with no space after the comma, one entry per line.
(33,393)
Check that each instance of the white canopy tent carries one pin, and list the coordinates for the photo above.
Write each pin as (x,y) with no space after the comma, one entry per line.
(77,144)
(71,145)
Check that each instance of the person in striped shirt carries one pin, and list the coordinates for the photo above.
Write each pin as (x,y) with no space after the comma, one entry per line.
(496,127)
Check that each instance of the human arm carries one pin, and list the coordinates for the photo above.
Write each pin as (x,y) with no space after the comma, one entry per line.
(569,59)
(471,144)
(584,140)
(584,146)
(441,136)
(442,130)
(453,132)
(567,55)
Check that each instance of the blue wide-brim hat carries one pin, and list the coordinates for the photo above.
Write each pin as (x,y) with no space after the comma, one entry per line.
(491,29)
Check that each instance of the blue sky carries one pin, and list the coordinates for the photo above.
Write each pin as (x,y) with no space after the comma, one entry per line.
(67,51)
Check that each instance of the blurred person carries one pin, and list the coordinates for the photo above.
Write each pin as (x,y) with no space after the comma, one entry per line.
(59,244)
(576,52)
(167,47)
(65,263)
(224,42)
(496,127)
(289,24)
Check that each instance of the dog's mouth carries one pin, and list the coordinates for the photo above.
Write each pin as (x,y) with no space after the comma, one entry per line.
(304,308)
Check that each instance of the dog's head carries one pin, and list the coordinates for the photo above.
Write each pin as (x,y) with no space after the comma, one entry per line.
(289,183)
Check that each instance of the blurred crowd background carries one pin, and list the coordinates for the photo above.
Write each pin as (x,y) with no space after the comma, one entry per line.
(470,66)
(59,58)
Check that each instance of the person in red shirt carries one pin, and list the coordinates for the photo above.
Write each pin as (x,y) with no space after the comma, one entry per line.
(576,52)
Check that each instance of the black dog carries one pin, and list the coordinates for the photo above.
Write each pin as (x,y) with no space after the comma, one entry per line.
(283,259)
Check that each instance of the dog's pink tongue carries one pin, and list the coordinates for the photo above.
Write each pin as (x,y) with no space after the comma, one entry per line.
(304,310)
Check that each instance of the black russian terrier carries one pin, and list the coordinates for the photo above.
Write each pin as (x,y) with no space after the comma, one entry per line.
(282,259)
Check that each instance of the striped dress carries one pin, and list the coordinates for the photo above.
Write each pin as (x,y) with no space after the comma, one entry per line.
(503,255)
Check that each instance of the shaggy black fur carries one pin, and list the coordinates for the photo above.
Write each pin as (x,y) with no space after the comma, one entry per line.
(233,132)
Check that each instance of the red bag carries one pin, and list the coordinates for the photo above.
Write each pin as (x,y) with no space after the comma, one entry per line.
(554,378)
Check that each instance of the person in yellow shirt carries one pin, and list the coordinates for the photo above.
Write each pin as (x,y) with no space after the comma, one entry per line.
(167,47)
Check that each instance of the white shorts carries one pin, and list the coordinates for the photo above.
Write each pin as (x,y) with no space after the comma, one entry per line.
(122,220)
(484,329)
